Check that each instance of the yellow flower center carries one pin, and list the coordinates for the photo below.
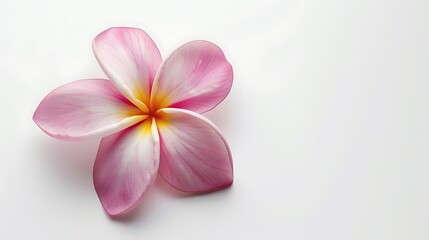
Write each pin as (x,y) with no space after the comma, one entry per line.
(151,112)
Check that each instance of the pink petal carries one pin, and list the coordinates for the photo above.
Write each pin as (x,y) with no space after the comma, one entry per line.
(194,155)
(85,108)
(196,77)
(126,167)
(130,58)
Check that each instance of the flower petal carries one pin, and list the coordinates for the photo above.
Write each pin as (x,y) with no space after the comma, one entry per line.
(85,108)
(194,155)
(130,58)
(196,77)
(126,167)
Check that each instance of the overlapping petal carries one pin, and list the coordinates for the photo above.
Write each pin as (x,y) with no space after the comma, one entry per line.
(126,166)
(85,108)
(194,155)
(130,58)
(196,77)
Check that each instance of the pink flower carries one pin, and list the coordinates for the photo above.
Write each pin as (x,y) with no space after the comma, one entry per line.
(148,115)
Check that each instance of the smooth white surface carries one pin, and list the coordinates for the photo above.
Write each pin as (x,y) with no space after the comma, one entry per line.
(327,120)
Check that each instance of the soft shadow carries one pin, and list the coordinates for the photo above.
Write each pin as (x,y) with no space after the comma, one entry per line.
(71,162)
(172,192)
(223,114)
(142,212)
(158,195)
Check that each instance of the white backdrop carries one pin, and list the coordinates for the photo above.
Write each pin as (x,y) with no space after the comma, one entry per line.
(327,120)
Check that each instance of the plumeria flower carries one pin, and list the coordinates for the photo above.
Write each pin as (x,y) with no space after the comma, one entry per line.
(148,115)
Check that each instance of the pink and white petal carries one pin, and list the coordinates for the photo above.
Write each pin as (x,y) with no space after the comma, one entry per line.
(85,108)
(196,77)
(126,167)
(130,58)
(194,155)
